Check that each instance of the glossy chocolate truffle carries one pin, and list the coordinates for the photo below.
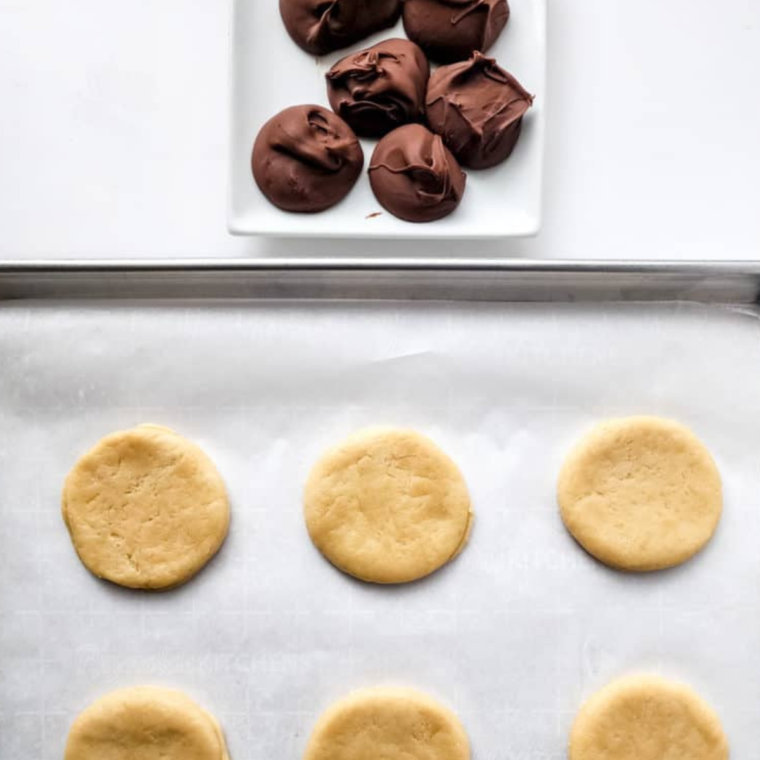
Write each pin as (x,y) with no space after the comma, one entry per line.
(381,88)
(477,108)
(415,176)
(321,26)
(452,30)
(306,159)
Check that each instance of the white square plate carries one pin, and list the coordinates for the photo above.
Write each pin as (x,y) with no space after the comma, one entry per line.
(270,72)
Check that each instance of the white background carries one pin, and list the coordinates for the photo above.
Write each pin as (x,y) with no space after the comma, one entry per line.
(113,124)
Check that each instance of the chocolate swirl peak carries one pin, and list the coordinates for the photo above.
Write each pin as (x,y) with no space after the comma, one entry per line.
(452,30)
(306,159)
(321,26)
(414,175)
(478,109)
(380,88)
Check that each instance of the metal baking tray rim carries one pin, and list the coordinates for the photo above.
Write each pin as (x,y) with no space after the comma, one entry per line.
(734,282)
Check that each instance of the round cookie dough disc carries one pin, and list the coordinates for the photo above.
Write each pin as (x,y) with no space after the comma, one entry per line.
(388,723)
(647,718)
(147,723)
(640,493)
(387,506)
(145,508)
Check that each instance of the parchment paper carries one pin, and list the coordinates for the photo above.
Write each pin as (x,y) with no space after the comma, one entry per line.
(514,635)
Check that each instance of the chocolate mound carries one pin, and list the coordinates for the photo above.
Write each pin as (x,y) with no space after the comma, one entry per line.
(306,159)
(452,30)
(415,176)
(477,108)
(321,26)
(380,88)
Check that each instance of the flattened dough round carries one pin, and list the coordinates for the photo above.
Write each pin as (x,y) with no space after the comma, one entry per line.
(146,723)
(387,506)
(647,718)
(145,508)
(388,723)
(640,493)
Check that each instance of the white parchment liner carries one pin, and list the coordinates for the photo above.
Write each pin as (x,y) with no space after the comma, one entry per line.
(513,635)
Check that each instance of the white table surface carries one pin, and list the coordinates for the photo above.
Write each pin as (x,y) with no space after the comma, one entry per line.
(113,121)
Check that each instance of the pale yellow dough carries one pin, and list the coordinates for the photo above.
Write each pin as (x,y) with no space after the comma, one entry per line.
(145,508)
(387,506)
(148,723)
(640,493)
(388,724)
(647,718)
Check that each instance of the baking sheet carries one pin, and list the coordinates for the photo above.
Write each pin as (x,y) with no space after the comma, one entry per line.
(513,635)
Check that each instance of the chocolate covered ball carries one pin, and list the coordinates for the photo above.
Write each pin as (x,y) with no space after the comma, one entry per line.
(452,30)
(321,26)
(306,159)
(380,88)
(415,176)
(477,108)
